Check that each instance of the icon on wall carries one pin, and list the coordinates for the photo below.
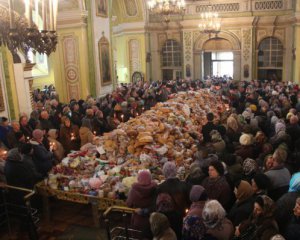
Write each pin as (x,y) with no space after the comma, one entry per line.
(101,8)
(104,61)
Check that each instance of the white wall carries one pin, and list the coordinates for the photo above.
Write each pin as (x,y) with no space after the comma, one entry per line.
(100,25)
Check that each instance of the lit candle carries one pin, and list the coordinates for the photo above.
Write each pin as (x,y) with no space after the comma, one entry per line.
(122,117)
(143,109)
(11,15)
(5,152)
(95,133)
(72,136)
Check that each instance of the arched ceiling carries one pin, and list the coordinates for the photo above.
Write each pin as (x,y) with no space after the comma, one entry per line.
(126,11)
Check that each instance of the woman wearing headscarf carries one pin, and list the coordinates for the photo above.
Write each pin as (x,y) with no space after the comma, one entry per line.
(261,225)
(69,135)
(245,149)
(285,204)
(250,168)
(193,226)
(280,135)
(85,132)
(233,130)
(196,175)
(142,197)
(242,208)
(160,227)
(172,197)
(293,229)
(59,151)
(216,185)
(260,184)
(217,224)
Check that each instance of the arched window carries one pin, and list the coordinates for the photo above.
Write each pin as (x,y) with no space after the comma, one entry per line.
(171,54)
(270,59)
(270,53)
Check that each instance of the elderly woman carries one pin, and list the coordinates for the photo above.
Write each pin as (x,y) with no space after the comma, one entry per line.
(193,226)
(246,148)
(69,135)
(142,197)
(280,135)
(217,224)
(293,230)
(242,208)
(160,227)
(172,198)
(261,224)
(59,151)
(216,185)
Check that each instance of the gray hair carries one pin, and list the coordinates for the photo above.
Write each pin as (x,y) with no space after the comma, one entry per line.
(280,155)
(213,214)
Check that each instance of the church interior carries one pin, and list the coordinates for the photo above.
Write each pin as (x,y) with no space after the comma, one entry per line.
(150,119)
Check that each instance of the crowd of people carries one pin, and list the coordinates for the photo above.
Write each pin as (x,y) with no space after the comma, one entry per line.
(243,184)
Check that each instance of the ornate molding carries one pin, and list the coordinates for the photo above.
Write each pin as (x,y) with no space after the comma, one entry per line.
(188,47)
(246,44)
(134,56)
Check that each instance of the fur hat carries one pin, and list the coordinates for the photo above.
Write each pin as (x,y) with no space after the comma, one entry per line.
(144,177)
(262,181)
(169,170)
(246,139)
(37,134)
(218,166)
(198,193)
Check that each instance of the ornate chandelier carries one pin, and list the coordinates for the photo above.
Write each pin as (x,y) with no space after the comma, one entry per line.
(20,33)
(210,22)
(166,8)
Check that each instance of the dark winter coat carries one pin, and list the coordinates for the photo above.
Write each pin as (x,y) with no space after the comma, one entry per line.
(42,158)
(218,189)
(142,196)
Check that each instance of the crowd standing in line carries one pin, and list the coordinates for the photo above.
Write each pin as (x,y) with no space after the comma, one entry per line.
(244,182)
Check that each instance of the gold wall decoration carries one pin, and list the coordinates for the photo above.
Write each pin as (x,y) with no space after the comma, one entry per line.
(2,106)
(104,61)
(101,8)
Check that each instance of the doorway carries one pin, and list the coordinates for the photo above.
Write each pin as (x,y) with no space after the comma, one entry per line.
(171,74)
(218,64)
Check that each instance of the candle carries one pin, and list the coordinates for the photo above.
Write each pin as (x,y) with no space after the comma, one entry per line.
(95,133)
(44,14)
(122,117)
(11,15)
(143,109)
(72,136)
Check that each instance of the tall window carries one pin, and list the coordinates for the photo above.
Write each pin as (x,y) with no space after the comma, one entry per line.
(270,59)
(270,53)
(222,63)
(171,54)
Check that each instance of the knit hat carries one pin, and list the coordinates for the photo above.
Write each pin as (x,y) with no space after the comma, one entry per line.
(295,183)
(244,191)
(249,166)
(169,170)
(218,166)
(13,155)
(37,134)
(246,139)
(144,177)
(289,115)
(253,107)
(198,193)
(262,181)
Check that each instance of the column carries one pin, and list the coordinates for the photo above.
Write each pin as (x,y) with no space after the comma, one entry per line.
(188,60)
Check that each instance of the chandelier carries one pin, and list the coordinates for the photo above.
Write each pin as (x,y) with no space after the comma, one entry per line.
(19,33)
(210,22)
(166,8)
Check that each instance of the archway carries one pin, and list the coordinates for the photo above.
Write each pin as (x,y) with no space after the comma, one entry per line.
(204,47)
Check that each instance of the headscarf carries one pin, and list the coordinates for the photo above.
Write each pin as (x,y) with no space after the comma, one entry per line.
(267,204)
(159,223)
(232,123)
(244,191)
(249,166)
(295,183)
